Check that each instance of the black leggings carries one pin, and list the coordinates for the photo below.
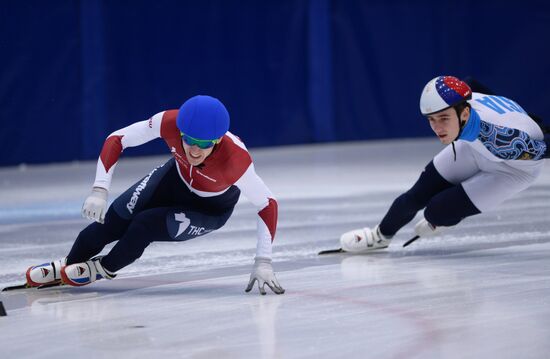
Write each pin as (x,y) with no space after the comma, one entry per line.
(446,204)
(159,207)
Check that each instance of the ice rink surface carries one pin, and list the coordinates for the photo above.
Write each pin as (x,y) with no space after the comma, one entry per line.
(480,291)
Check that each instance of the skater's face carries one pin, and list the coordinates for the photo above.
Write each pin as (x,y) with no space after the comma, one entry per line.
(445,124)
(196,155)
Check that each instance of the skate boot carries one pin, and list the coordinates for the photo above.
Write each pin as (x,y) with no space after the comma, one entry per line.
(79,274)
(47,273)
(364,240)
(425,229)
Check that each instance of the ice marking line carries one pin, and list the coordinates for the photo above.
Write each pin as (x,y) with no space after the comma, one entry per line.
(428,332)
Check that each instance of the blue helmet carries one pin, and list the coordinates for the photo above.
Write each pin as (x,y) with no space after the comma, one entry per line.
(203,118)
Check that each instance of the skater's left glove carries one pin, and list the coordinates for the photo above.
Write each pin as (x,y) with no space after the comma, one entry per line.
(95,205)
(263,273)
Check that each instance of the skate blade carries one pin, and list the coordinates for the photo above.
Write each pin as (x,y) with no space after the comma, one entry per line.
(26,286)
(330,251)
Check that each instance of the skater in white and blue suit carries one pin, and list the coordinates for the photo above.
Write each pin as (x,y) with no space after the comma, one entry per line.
(495,150)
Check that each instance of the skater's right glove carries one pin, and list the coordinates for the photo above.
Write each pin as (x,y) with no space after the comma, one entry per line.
(95,205)
(263,273)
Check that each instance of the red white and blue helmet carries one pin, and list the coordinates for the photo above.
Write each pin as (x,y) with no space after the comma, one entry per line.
(443,92)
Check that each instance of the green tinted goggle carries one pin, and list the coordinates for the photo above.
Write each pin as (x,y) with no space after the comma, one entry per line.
(202,144)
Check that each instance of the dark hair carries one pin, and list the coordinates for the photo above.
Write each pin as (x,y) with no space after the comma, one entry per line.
(460,107)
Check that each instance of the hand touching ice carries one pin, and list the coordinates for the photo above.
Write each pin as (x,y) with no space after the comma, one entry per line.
(263,273)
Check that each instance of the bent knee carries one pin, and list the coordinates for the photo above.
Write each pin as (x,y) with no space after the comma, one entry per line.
(450,207)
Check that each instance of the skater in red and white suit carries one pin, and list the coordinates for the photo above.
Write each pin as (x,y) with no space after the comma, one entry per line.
(192,194)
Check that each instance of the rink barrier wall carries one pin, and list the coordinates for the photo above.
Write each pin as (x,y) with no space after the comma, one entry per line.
(289,72)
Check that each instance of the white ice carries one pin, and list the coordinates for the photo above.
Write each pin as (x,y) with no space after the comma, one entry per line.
(482,290)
